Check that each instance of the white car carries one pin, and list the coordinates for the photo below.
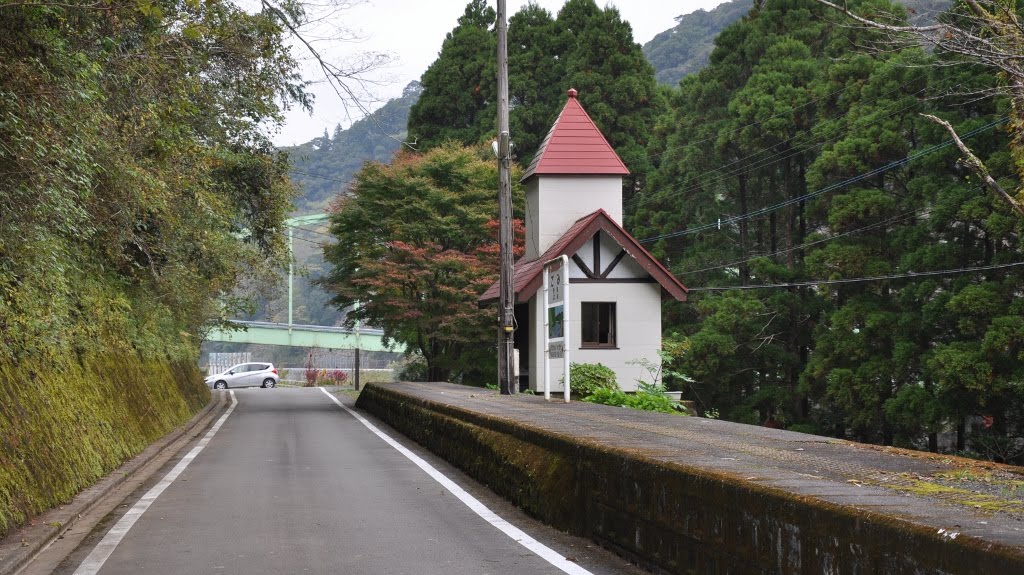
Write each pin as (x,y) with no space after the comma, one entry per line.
(251,374)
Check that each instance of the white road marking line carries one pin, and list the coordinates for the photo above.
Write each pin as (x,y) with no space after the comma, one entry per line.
(541,550)
(106,546)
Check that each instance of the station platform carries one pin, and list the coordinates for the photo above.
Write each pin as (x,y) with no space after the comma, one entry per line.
(687,494)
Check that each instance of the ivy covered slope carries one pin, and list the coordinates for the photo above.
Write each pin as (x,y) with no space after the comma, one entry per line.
(136,185)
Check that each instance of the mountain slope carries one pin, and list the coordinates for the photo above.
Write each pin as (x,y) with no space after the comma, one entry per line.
(684,49)
(322,167)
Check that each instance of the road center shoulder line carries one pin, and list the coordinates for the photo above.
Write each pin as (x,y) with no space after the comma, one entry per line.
(538,548)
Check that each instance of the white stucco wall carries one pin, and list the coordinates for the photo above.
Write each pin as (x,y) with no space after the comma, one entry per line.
(638,330)
(554,203)
(626,268)
(531,215)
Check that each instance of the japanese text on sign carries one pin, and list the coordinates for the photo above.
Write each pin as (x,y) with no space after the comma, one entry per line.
(555,287)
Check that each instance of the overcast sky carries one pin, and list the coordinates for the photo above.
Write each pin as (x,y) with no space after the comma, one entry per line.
(412,31)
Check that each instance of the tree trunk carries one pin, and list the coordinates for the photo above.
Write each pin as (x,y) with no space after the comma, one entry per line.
(787,184)
(744,241)
(801,211)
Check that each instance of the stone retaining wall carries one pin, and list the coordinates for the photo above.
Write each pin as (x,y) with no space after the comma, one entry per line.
(672,517)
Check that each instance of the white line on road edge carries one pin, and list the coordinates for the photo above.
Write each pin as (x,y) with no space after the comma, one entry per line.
(102,552)
(543,551)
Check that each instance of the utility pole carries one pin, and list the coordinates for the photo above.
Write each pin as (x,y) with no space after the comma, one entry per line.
(506,379)
(356,367)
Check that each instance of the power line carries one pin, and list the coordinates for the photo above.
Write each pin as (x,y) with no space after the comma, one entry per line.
(777,156)
(808,244)
(860,280)
(321,244)
(312,175)
(831,188)
(779,115)
(312,231)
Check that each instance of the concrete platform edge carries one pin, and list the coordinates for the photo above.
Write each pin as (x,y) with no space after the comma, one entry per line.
(690,511)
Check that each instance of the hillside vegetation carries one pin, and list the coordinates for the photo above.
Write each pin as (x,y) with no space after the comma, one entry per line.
(138,185)
(322,168)
(798,161)
(685,48)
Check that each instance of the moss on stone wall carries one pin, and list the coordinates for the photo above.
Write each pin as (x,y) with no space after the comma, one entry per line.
(679,519)
(66,422)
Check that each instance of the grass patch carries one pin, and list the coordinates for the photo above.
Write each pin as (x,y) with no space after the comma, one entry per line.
(966,497)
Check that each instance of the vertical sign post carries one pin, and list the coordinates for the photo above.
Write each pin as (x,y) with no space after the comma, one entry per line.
(556,320)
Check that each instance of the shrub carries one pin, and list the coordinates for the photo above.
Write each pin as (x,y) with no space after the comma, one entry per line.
(585,379)
(311,376)
(337,376)
(655,402)
(647,398)
(608,397)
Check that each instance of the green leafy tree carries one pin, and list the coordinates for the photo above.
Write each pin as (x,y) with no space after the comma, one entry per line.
(585,47)
(785,108)
(139,182)
(417,244)
(460,85)
(898,361)
(740,136)
(536,78)
(615,81)
(685,48)
(984,33)
(870,342)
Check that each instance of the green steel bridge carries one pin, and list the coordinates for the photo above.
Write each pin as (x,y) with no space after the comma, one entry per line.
(324,337)
(298,335)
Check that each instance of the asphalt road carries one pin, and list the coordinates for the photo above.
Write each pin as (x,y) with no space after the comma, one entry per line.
(293,483)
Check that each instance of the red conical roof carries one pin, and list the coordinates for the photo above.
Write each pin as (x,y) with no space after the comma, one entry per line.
(574,145)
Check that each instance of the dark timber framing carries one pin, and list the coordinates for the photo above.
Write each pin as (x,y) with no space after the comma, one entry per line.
(528,273)
(596,273)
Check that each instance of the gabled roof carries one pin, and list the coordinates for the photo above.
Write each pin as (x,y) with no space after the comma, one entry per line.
(574,145)
(528,276)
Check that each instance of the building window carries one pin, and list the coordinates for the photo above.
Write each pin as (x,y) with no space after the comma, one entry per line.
(598,319)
